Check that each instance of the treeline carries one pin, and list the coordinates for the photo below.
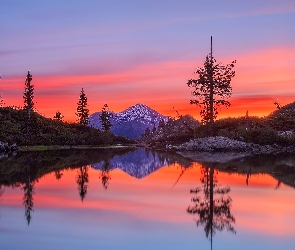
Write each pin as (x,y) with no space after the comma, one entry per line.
(44,131)
(24,126)
(277,128)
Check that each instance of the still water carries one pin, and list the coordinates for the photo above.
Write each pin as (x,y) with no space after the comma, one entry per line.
(145,200)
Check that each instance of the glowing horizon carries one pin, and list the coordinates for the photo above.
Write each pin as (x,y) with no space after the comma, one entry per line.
(139,54)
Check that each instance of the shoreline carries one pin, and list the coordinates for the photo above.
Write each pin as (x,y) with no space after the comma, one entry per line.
(65,147)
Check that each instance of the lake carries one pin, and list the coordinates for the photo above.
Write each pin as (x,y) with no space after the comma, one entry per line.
(141,199)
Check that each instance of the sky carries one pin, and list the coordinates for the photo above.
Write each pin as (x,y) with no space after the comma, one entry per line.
(125,52)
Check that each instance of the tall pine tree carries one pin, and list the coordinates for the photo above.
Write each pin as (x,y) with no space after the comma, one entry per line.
(82,111)
(29,104)
(105,117)
(29,95)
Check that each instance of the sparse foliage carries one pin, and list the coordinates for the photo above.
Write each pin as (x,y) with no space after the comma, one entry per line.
(105,117)
(82,111)
(278,105)
(58,116)
(2,103)
(105,173)
(212,87)
(82,180)
(213,207)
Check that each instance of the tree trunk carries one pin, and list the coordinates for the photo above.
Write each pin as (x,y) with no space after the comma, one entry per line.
(211,88)
(211,202)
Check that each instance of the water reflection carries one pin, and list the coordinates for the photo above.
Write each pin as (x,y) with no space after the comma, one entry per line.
(280,167)
(82,180)
(105,173)
(212,204)
(248,175)
(25,169)
(28,186)
(58,174)
(140,163)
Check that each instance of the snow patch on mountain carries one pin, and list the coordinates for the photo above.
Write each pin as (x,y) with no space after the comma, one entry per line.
(131,122)
(138,164)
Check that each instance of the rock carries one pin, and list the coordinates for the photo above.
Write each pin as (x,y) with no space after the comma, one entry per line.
(221,157)
(4,147)
(216,144)
(13,147)
(225,144)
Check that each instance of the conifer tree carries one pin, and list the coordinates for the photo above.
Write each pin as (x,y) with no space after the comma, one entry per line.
(29,95)
(212,87)
(82,111)
(29,103)
(105,117)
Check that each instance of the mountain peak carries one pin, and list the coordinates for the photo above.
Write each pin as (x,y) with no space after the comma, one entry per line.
(131,122)
(140,105)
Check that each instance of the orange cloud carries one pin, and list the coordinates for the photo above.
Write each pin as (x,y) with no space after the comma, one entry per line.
(261,77)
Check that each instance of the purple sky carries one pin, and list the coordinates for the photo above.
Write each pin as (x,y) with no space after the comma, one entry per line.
(126,52)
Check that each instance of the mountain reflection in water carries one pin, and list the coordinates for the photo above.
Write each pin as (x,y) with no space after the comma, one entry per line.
(141,162)
(212,203)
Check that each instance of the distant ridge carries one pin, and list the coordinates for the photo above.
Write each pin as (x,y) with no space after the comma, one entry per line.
(131,122)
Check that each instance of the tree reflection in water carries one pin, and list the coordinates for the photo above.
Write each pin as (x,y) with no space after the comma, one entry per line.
(2,189)
(212,203)
(82,181)
(28,188)
(58,174)
(105,173)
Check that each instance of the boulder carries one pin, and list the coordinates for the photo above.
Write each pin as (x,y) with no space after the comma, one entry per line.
(225,144)
(5,147)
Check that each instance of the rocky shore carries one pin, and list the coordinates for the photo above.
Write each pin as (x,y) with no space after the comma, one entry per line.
(6,148)
(222,149)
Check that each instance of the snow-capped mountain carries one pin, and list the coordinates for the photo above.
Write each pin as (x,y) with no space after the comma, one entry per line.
(131,122)
(138,164)
(141,163)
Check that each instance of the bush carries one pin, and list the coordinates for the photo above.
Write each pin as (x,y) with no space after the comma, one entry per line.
(44,131)
(261,136)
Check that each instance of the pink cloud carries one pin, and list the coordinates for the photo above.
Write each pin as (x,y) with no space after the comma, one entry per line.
(261,77)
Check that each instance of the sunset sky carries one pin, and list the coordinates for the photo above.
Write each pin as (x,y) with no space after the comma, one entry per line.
(128,52)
